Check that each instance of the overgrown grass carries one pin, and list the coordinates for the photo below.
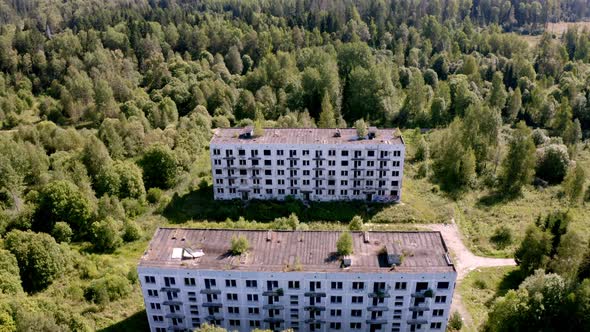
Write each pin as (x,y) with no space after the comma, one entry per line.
(479,289)
(480,212)
(200,205)
(479,216)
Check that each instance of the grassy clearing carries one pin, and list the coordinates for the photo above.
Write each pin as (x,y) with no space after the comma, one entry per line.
(558,28)
(479,213)
(479,216)
(479,289)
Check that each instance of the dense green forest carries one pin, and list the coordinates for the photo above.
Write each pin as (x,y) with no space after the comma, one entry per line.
(106,111)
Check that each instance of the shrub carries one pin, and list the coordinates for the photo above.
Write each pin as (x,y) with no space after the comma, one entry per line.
(62,201)
(480,284)
(132,276)
(552,163)
(293,221)
(220,121)
(108,288)
(153,195)
(74,292)
(9,274)
(110,206)
(344,244)
(133,207)
(106,237)
(361,129)
(87,269)
(502,237)
(239,245)
(356,224)
(131,231)
(40,259)
(422,150)
(455,321)
(62,232)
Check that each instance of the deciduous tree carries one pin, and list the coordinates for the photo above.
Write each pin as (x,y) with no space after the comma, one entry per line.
(40,259)
(518,166)
(159,167)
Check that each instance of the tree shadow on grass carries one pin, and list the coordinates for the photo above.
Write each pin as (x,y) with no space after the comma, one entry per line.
(494,198)
(137,322)
(200,205)
(510,281)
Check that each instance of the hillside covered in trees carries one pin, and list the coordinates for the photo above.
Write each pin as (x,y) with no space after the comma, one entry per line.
(106,111)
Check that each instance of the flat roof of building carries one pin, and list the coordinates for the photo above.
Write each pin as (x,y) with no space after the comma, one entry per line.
(306,136)
(308,251)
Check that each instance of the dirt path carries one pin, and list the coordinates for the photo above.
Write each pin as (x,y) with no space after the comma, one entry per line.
(465,261)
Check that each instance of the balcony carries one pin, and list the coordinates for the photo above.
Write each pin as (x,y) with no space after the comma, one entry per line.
(273,306)
(423,293)
(314,294)
(377,321)
(378,308)
(417,321)
(379,294)
(210,291)
(274,292)
(419,308)
(212,305)
(274,320)
(314,321)
(213,317)
(169,289)
(314,308)
(172,302)
(174,315)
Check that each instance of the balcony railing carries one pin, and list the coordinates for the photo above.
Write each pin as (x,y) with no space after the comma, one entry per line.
(273,306)
(314,308)
(213,317)
(274,292)
(169,289)
(210,291)
(380,294)
(419,308)
(424,293)
(377,308)
(174,315)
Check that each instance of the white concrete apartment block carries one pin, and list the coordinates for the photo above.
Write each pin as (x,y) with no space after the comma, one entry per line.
(310,164)
(396,281)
